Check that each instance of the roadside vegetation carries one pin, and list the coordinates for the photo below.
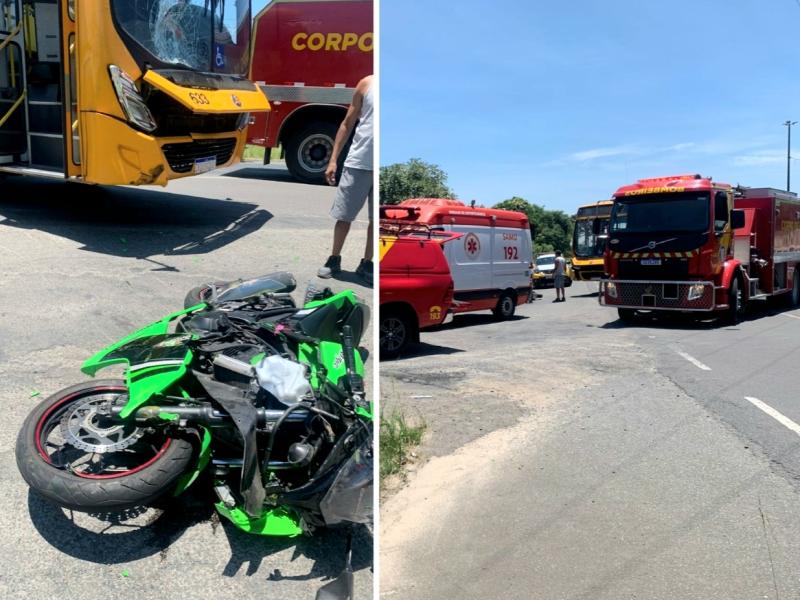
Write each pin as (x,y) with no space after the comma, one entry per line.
(252,152)
(398,438)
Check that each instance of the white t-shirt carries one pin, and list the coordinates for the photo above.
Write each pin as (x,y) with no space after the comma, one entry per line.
(360,154)
(559,265)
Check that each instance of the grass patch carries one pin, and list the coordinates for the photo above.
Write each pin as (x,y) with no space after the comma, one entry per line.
(252,152)
(398,436)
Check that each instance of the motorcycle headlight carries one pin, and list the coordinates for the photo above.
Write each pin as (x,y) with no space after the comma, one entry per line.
(133,105)
(611,289)
(696,291)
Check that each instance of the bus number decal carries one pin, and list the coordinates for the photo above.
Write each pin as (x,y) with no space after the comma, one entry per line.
(511,253)
(199,98)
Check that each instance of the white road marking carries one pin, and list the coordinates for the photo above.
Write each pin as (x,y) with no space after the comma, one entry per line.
(791,316)
(693,360)
(779,417)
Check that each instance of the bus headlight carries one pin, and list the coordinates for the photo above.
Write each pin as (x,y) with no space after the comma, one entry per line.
(136,110)
(611,289)
(696,291)
(243,121)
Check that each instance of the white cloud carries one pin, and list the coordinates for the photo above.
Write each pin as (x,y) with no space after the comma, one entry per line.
(764,157)
(607,152)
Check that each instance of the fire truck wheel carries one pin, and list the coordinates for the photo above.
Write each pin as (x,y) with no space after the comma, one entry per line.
(506,306)
(736,305)
(626,315)
(308,151)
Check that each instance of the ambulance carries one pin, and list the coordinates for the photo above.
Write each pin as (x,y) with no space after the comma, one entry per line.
(490,262)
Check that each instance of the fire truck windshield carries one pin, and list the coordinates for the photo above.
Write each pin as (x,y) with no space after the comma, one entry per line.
(202,35)
(671,212)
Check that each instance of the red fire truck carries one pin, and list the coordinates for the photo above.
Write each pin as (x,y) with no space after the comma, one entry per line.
(308,56)
(687,243)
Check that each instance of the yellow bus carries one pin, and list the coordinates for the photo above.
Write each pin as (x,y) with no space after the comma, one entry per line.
(124,91)
(587,246)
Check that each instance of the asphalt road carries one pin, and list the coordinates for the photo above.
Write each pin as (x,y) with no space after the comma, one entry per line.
(570,456)
(82,267)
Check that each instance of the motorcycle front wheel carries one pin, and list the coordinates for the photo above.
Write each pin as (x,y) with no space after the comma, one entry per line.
(72,453)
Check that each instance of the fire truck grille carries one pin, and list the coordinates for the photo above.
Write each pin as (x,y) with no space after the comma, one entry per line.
(669,269)
(181,156)
(658,295)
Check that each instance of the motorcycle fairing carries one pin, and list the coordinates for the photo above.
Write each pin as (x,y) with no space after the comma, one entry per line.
(156,359)
(275,521)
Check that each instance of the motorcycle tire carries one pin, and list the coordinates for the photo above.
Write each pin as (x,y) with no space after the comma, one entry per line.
(139,485)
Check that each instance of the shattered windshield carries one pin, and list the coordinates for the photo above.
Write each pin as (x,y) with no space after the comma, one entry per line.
(202,35)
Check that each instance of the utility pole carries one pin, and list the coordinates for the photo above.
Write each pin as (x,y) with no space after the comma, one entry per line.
(789,154)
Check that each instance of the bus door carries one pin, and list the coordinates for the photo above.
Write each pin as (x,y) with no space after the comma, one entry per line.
(46,100)
(13,134)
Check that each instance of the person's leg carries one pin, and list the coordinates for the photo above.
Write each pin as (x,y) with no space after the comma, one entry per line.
(340,231)
(368,250)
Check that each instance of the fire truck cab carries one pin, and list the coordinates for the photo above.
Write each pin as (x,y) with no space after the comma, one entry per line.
(687,243)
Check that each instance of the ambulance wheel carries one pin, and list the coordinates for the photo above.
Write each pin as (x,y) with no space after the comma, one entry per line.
(626,315)
(506,306)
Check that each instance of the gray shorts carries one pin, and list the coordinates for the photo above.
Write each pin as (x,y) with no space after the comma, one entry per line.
(558,281)
(355,187)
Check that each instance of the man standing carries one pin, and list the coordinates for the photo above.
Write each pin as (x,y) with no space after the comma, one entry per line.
(355,186)
(558,277)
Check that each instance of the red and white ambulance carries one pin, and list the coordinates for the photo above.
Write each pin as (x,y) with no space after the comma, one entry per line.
(490,263)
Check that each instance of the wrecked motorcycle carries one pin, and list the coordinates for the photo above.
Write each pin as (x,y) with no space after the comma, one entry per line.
(265,397)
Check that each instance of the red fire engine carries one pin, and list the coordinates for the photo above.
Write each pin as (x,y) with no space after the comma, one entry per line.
(687,243)
(308,56)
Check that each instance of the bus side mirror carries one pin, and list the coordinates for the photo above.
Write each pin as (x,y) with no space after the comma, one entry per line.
(737,219)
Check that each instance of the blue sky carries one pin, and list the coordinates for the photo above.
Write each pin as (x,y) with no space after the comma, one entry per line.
(563,102)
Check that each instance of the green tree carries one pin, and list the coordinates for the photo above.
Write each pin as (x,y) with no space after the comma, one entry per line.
(412,179)
(552,229)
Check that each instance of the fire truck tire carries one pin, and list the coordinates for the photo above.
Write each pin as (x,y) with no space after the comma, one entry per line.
(626,315)
(506,306)
(308,151)
(794,297)
(736,305)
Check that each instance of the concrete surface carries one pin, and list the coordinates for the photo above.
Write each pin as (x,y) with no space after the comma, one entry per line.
(570,456)
(83,266)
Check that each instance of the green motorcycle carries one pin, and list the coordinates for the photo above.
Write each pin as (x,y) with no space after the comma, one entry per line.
(264,397)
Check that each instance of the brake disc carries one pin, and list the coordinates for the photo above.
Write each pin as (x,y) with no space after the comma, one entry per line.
(86,426)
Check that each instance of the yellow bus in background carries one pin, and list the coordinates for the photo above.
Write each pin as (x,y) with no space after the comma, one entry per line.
(124,91)
(587,246)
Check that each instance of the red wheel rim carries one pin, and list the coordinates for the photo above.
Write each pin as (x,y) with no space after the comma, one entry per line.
(49,411)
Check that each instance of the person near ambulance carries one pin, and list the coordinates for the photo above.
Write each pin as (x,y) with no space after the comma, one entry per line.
(355,185)
(559,272)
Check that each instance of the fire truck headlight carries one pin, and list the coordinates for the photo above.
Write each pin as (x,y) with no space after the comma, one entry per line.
(133,105)
(696,291)
(611,289)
